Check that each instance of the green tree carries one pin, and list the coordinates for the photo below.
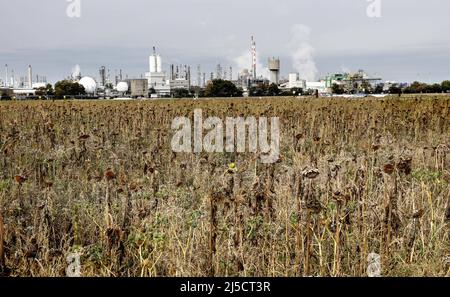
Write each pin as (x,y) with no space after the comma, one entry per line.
(273,90)
(366,87)
(42,91)
(222,88)
(379,89)
(337,89)
(49,90)
(180,93)
(68,88)
(445,86)
(434,88)
(297,91)
(416,88)
(395,89)
(259,90)
(45,91)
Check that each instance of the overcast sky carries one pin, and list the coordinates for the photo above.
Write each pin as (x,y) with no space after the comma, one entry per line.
(410,40)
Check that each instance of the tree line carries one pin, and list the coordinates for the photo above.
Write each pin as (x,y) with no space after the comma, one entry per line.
(223,88)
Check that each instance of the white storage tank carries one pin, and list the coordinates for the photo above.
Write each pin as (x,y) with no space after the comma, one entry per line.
(89,84)
(122,87)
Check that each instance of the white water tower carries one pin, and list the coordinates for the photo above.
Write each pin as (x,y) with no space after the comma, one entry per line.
(274,68)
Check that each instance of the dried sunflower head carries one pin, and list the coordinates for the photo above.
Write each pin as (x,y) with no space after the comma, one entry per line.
(311,173)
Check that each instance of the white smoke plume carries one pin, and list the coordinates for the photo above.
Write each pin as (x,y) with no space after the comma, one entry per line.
(244,61)
(76,71)
(302,52)
(345,69)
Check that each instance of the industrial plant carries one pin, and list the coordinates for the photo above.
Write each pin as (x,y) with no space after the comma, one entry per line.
(184,80)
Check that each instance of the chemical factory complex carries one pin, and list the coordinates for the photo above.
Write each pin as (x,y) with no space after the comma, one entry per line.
(163,83)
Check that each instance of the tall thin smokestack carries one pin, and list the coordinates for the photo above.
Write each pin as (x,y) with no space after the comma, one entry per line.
(30,77)
(253,57)
(13,80)
(6,75)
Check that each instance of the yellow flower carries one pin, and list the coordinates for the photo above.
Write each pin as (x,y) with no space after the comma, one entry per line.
(232,167)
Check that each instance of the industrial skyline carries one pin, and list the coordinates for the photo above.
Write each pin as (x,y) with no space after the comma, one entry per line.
(323,35)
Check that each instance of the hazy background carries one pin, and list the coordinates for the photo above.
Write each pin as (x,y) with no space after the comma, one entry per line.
(315,37)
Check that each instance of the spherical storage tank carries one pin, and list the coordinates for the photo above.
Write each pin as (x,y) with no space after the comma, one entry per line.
(89,84)
(122,87)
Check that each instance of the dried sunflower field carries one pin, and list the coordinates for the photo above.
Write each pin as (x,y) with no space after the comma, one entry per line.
(99,178)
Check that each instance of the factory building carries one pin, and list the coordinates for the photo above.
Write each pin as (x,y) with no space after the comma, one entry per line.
(296,82)
(179,83)
(6,93)
(156,78)
(319,86)
(138,87)
(22,88)
(180,77)
(352,82)
(274,69)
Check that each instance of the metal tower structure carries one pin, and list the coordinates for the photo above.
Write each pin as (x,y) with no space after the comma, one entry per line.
(253,50)
(218,71)
(199,76)
(30,77)
(6,76)
(13,80)
(102,73)
(188,76)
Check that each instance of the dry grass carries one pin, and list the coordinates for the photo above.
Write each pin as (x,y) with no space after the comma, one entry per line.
(100,178)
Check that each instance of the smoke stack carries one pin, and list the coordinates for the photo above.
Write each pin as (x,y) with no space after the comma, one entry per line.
(254,58)
(6,75)
(30,77)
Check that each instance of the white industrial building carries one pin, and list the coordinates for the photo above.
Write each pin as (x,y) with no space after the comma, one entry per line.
(319,86)
(296,82)
(156,77)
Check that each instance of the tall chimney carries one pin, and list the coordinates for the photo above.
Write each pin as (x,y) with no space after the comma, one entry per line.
(13,82)
(30,77)
(6,75)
